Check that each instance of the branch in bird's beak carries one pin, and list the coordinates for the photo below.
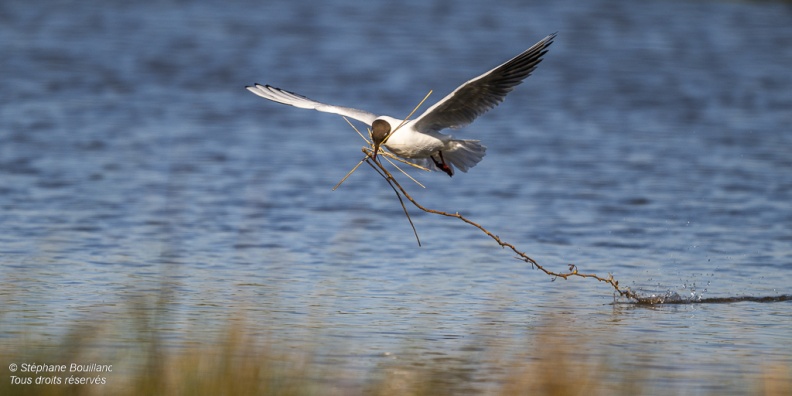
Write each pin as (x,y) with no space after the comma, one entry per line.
(376,150)
(380,130)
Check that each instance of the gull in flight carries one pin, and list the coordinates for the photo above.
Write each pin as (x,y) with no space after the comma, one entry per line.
(420,141)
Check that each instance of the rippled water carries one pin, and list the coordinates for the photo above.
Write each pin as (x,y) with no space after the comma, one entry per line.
(652,143)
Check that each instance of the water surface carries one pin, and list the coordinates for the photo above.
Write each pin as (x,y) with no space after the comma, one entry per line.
(652,143)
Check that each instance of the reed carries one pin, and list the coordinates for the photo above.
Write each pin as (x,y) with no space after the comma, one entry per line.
(239,363)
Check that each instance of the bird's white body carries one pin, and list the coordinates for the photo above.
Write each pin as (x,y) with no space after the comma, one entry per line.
(408,143)
(420,140)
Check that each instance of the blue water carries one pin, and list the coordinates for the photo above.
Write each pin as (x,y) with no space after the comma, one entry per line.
(652,143)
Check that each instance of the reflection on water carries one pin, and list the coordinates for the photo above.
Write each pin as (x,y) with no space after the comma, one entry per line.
(675,298)
(652,144)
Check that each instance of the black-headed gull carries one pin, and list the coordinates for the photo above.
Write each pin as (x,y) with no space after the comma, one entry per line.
(419,140)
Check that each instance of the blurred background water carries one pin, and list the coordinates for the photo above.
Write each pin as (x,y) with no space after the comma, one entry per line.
(653,143)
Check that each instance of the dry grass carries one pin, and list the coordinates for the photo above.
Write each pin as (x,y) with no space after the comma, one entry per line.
(239,364)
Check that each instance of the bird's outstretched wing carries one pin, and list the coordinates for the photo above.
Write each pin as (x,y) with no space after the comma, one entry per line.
(293,99)
(482,93)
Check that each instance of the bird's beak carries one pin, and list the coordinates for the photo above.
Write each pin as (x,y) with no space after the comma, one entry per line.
(376,150)
(380,131)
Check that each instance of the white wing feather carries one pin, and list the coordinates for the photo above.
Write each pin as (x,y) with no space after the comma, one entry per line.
(290,98)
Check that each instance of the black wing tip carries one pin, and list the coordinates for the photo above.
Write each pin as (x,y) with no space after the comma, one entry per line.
(257,85)
(542,44)
(545,42)
(531,57)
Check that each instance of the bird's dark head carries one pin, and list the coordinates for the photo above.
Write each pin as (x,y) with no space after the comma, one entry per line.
(380,130)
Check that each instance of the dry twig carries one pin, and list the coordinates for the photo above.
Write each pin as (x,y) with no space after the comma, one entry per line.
(399,190)
(573,269)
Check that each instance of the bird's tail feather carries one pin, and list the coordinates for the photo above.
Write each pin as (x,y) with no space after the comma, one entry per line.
(462,154)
